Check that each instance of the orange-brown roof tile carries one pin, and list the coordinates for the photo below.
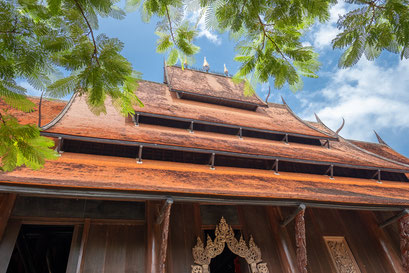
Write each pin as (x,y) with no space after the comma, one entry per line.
(159,100)
(207,84)
(320,127)
(80,121)
(49,110)
(382,150)
(111,173)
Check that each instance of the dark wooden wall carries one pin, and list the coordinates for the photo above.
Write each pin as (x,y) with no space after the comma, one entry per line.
(184,228)
(134,245)
(373,251)
(114,248)
(256,222)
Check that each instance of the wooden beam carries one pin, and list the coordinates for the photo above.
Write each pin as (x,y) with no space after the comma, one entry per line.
(6,206)
(300,241)
(291,217)
(163,211)
(395,218)
(404,241)
(83,247)
(165,233)
(275,166)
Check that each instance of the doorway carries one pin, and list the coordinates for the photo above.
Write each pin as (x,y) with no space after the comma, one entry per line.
(41,249)
(227,261)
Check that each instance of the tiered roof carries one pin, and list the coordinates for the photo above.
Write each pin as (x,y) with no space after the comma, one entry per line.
(211,136)
(199,84)
(50,109)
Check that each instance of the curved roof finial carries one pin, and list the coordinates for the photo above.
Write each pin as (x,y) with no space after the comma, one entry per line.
(206,65)
(340,128)
(318,119)
(380,140)
(283,100)
(226,71)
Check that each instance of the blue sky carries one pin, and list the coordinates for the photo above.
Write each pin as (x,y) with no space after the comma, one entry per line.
(370,96)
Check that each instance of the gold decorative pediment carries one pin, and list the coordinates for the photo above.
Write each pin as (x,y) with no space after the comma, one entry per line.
(225,236)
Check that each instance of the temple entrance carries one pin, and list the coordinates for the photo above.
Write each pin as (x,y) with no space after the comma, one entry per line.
(227,261)
(224,238)
(41,248)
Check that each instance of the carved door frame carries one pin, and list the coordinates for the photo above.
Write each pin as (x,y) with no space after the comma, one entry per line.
(225,236)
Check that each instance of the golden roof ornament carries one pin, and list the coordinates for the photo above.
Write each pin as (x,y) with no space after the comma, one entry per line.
(226,71)
(206,65)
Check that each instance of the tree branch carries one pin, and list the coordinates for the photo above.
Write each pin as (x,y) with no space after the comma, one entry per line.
(2,119)
(9,32)
(271,40)
(170,25)
(373,4)
(95,54)
(14,31)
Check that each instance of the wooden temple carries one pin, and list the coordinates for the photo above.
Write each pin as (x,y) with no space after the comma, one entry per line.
(203,179)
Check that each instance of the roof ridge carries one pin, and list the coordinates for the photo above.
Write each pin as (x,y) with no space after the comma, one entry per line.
(361,149)
(201,71)
(160,83)
(60,115)
(374,154)
(364,141)
(302,121)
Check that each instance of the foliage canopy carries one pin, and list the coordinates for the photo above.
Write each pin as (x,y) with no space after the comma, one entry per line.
(51,44)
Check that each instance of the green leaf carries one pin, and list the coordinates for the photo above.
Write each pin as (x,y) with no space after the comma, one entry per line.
(173,57)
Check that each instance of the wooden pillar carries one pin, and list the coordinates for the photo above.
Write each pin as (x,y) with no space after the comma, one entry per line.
(6,206)
(404,241)
(281,236)
(164,218)
(300,241)
(153,238)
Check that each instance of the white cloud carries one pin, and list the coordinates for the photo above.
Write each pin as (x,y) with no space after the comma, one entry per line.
(324,33)
(201,27)
(368,96)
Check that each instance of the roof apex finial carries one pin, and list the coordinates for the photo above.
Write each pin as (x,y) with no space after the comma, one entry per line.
(206,65)
(283,100)
(380,140)
(226,71)
(318,118)
(340,128)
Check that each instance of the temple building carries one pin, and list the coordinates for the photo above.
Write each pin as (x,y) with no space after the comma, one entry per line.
(203,179)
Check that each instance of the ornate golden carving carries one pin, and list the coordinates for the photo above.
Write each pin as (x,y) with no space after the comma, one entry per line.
(225,236)
(197,269)
(262,268)
(341,255)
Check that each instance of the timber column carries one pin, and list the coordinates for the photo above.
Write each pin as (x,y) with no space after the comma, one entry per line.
(404,241)
(164,218)
(300,241)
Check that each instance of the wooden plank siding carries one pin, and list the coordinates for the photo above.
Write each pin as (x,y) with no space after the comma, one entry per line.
(115,248)
(255,222)
(372,248)
(127,246)
(6,206)
(183,232)
(360,230)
